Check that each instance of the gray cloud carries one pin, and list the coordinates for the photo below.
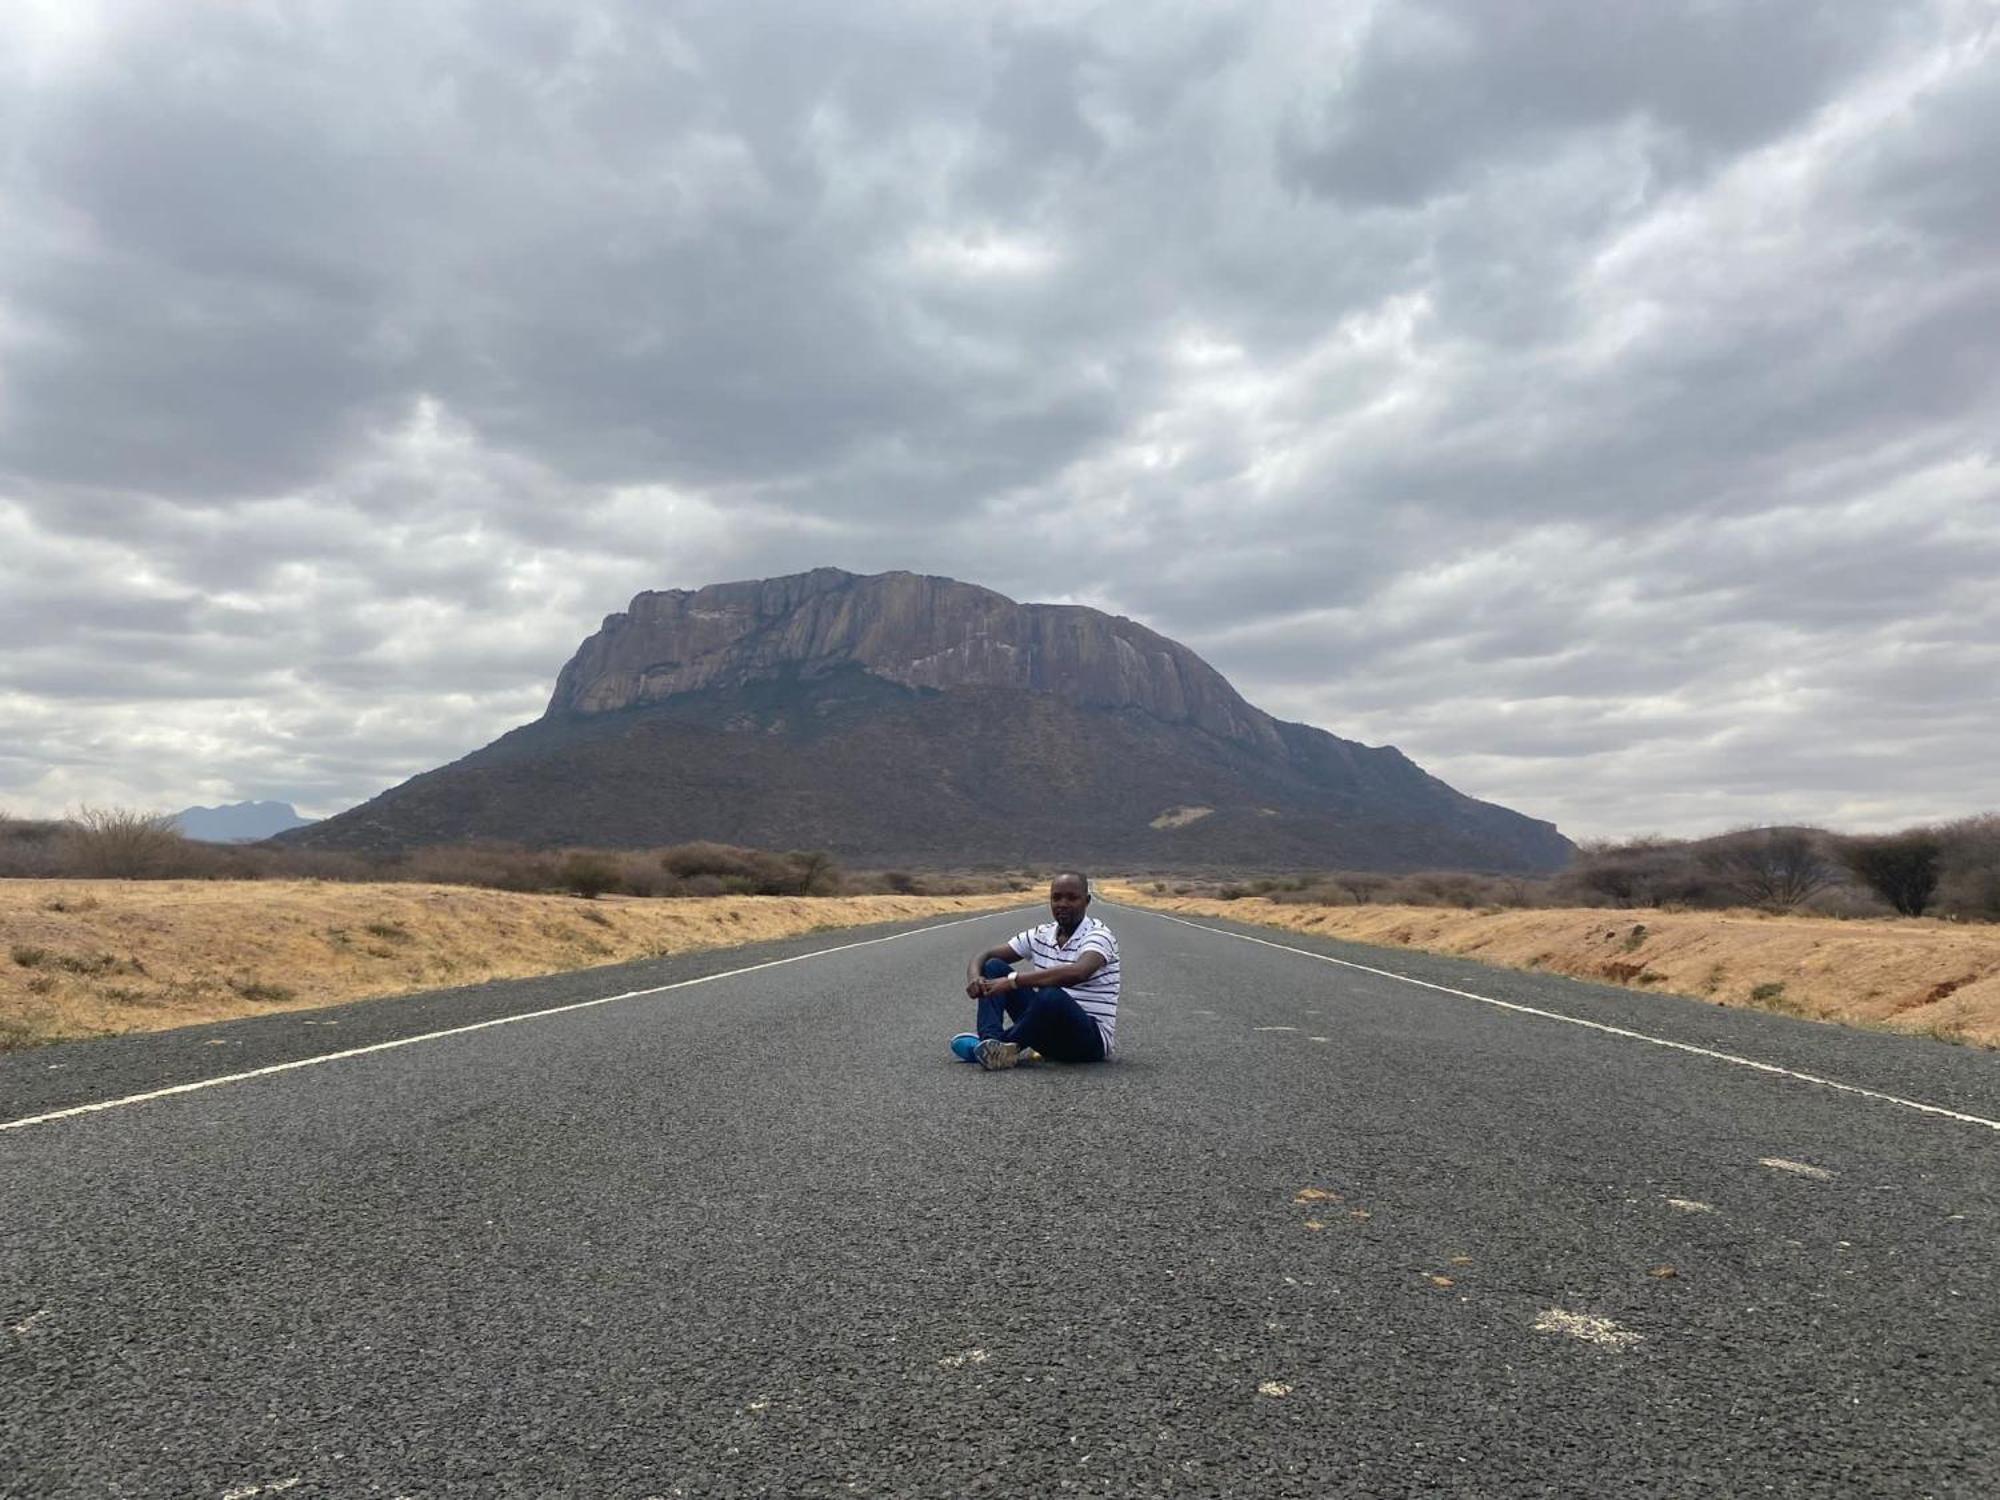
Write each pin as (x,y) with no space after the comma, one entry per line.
(1597,402)
(1435,93)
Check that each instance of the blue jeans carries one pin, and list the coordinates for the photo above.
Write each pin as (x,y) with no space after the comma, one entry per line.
(1048,1020)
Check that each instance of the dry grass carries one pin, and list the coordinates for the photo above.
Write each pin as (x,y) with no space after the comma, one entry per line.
(1932,978)
(84,958)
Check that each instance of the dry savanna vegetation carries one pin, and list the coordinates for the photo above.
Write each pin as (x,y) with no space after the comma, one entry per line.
(1928,976)
(98,843)
(1951,870)
(114,922)
(1895,930)
(86,958)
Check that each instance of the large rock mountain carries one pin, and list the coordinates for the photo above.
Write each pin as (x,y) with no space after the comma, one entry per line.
(905,719)
(238,822)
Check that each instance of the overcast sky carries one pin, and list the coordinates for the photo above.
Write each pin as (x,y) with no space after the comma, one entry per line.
(1594,398)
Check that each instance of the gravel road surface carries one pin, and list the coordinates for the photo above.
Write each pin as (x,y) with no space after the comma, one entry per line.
(1318,1231)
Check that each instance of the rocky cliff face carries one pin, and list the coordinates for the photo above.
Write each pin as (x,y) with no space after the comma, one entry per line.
(827,710)
(918,631)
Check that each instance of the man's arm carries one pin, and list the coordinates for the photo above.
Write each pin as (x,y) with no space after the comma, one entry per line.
(1060,976)
(975,982)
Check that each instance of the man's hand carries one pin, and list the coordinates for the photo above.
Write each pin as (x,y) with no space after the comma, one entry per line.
(975,988)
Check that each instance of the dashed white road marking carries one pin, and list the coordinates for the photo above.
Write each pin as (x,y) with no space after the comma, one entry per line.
(27,1324)
(432,1036)
(1691,1205)
(1797,1168)
(1626,1032)
(1274,1028)
(1592,1330)
(959,1361)
(273,1487)
(1276,1389)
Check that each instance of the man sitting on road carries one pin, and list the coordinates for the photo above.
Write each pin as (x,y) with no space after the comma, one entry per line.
(1063,1006)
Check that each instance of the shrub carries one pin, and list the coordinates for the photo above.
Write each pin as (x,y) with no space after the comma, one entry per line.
(28,847)
(689,861)
(641,876)
(1969,878)
(1443,888)
(499,867)
(1641,872)
(1902,868)
(818,875)
(1653,871)
(262,992)
(589,875)
(1364,888)
(1777,869)
(116,843)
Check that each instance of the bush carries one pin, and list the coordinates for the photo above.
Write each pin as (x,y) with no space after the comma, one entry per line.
(589,875)
(1710,874)
(495,866)
(1969,876)
(817,873)
(688,861)
(1445,888)
(1364,888)
(1641,872)
(116,843)
(1777,869)
(28,847)
(706,868)
(1902,868)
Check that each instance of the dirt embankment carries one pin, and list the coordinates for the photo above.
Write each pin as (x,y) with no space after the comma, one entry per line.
(1934,978)
(81,958)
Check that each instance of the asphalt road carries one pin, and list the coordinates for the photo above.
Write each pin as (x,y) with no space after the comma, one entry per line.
(1317,1232)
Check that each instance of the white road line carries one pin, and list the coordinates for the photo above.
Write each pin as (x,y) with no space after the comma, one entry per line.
(432,1036)
(1797,1168)
(1592,1330)
(1550,1015)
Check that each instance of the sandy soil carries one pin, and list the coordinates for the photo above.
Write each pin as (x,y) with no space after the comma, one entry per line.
(1936,978)
(81,958)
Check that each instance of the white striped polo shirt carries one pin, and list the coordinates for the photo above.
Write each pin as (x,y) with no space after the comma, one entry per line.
(1098,995)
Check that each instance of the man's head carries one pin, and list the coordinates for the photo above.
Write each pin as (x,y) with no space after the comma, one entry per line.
(1069,896)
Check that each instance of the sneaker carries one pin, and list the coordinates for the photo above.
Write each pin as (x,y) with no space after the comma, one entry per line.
(965,1046)
(994,1053)
(1029,1057)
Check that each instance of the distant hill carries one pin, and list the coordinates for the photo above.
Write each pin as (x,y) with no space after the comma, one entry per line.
(902,719)
(239,822)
